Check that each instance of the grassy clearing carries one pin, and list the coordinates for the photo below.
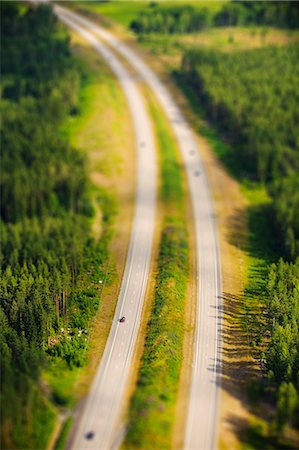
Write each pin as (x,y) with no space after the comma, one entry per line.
(170,48)
(123,12)
(152,409)
(240,38)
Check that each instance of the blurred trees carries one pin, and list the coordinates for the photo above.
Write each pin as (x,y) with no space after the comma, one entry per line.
(45,214)
(285,194)
(282,354)
(283,14)
(189,19)
(171,19)
(252,97)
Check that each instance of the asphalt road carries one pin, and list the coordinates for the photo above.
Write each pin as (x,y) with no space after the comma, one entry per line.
(201,421)
(104,403)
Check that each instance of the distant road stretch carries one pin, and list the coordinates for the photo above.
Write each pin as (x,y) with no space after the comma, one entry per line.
(104,402)
(201,422)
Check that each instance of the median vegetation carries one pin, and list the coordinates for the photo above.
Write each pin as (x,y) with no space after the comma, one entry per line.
(152,409)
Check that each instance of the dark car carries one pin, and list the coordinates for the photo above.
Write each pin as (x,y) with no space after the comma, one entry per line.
(89,435)
(122,319)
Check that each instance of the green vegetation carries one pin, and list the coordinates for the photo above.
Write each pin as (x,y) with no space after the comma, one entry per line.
(256,110)
(175,19)
(253,104)
(50,263)
(279,14)
(243,94)
(186,18)
(152,410)
(61,441)
(285,194)
(282,355)
(124,12)
(255,314)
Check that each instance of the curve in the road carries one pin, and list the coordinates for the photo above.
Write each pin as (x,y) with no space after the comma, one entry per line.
(98,427)
(202,415)
(201,423)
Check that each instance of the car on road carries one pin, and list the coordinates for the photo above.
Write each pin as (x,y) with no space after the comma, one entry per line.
(122,319)
(89,435)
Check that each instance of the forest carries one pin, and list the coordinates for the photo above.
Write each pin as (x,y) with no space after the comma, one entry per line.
(252,99)
(49,260)
(189,19)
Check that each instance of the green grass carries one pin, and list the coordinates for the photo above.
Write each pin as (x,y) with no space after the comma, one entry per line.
(39,423)
(100,97)
(61,379)
(223,39)
(61,441)
(123,12)
(258,438)
(171,187)
(152,410)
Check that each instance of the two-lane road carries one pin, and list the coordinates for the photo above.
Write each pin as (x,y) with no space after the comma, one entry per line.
(104,402)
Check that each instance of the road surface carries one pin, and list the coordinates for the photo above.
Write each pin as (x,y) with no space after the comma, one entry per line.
(98,427)
(201,421)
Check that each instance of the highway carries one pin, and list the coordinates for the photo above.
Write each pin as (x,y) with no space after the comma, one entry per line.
(97,427)
(201,420)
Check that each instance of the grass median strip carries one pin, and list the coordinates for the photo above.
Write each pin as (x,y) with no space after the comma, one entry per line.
(152,409)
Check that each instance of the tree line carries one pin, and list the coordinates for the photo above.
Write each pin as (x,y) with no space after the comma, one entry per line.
(252,98)
(283,14)
(190,19)
(46,209)
(282,353)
